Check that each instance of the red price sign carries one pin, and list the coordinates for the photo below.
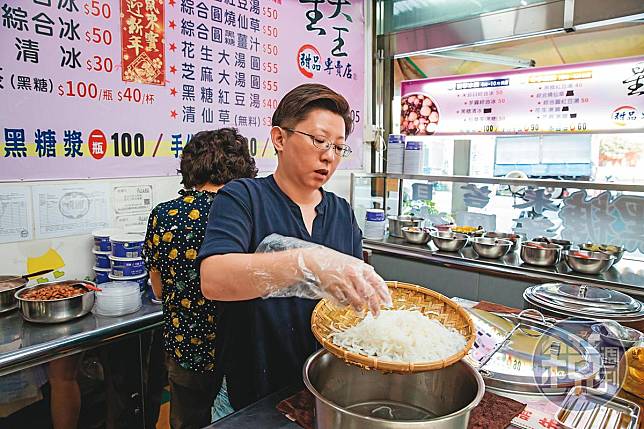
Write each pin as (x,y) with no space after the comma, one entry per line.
(97,144)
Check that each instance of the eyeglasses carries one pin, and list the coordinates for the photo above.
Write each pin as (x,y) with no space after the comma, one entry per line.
(325,144)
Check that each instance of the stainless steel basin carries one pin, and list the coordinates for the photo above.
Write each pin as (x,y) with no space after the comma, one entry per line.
(348,397)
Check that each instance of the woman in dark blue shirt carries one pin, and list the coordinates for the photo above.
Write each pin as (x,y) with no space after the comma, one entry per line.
(263,343)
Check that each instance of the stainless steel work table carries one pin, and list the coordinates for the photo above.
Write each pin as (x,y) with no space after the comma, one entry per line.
(24,344)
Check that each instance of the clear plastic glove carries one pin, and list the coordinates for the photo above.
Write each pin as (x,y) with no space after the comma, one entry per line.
(321,272)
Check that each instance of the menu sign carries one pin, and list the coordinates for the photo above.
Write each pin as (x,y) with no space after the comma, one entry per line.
(116,88)
(604,96)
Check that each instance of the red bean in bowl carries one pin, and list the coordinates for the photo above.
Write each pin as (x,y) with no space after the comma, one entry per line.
(418,115)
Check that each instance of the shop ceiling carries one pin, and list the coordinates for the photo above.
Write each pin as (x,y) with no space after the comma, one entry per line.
(616,41)
(412,28)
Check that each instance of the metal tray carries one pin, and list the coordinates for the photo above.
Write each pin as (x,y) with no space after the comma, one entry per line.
(514,369)
(586,408)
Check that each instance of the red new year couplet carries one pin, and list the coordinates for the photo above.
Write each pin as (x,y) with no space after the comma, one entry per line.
(142,41)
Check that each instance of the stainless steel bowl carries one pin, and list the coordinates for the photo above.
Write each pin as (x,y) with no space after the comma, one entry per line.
(57,310)
(491,248)
(541,254)
(448,241)
(590,262)
(514,238)
(397,223)
(421,236)
(348,397)
(9,285)
(617,254)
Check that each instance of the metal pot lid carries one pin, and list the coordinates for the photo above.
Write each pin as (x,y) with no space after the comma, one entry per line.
(578,309)
(526,364)
(583,293)
(536,292)
(567,310)
(613,303)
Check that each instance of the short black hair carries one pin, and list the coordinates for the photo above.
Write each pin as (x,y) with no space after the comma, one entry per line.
(216,157)
(298,102)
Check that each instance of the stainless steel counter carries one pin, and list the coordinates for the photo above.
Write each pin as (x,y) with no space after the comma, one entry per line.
(627,275)
(24,344)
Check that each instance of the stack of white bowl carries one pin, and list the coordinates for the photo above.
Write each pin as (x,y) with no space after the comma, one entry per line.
(374,225)
(117,299)
(395,153)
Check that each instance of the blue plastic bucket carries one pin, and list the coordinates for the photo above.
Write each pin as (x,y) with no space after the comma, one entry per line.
(102,238)
(127,267)
(102,259)
(102,275)
(127,245)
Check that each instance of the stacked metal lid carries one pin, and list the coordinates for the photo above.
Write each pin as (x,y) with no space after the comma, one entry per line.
(591,302)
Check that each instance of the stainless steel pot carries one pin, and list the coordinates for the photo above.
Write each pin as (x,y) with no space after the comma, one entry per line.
(396,223)
(9,285)
(449,241)
(587,262)
(56,310)
(347,397)
(491,248)
(514,238)
(540,254)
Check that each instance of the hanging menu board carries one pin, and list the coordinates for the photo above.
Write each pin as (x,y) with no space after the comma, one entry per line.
(116,88)
(597,97)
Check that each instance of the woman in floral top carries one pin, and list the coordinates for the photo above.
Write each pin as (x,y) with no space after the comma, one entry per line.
(175,231)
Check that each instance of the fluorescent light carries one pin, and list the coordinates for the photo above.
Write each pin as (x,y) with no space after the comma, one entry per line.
(485,58)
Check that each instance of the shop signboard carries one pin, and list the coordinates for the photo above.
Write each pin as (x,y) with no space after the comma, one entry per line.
(595,97)
(116,88)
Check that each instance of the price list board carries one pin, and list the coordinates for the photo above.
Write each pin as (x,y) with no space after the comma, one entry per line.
(597,97)
(116,88)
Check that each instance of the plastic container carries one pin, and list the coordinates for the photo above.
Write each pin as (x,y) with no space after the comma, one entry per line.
(127,267)
(140,280)
(374,226)
(395,153)
(102,275)
(413,158)
(102,259)
(102,238)
(127,245)
(117,298)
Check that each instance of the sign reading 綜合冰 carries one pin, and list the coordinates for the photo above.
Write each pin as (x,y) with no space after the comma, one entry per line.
(116,88)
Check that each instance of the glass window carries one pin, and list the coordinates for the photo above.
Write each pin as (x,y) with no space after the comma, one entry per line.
(405,14)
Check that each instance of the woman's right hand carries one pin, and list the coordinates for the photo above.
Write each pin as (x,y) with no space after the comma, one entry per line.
(344,279)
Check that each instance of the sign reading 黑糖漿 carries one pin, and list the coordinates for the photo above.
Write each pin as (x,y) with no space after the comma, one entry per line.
(603,96)
(116,88)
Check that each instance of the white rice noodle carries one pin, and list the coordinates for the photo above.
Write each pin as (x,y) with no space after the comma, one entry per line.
(401,336)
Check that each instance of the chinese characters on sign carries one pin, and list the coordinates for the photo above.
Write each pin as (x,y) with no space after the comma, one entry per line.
(109,88)
(143,46)
(571,98)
